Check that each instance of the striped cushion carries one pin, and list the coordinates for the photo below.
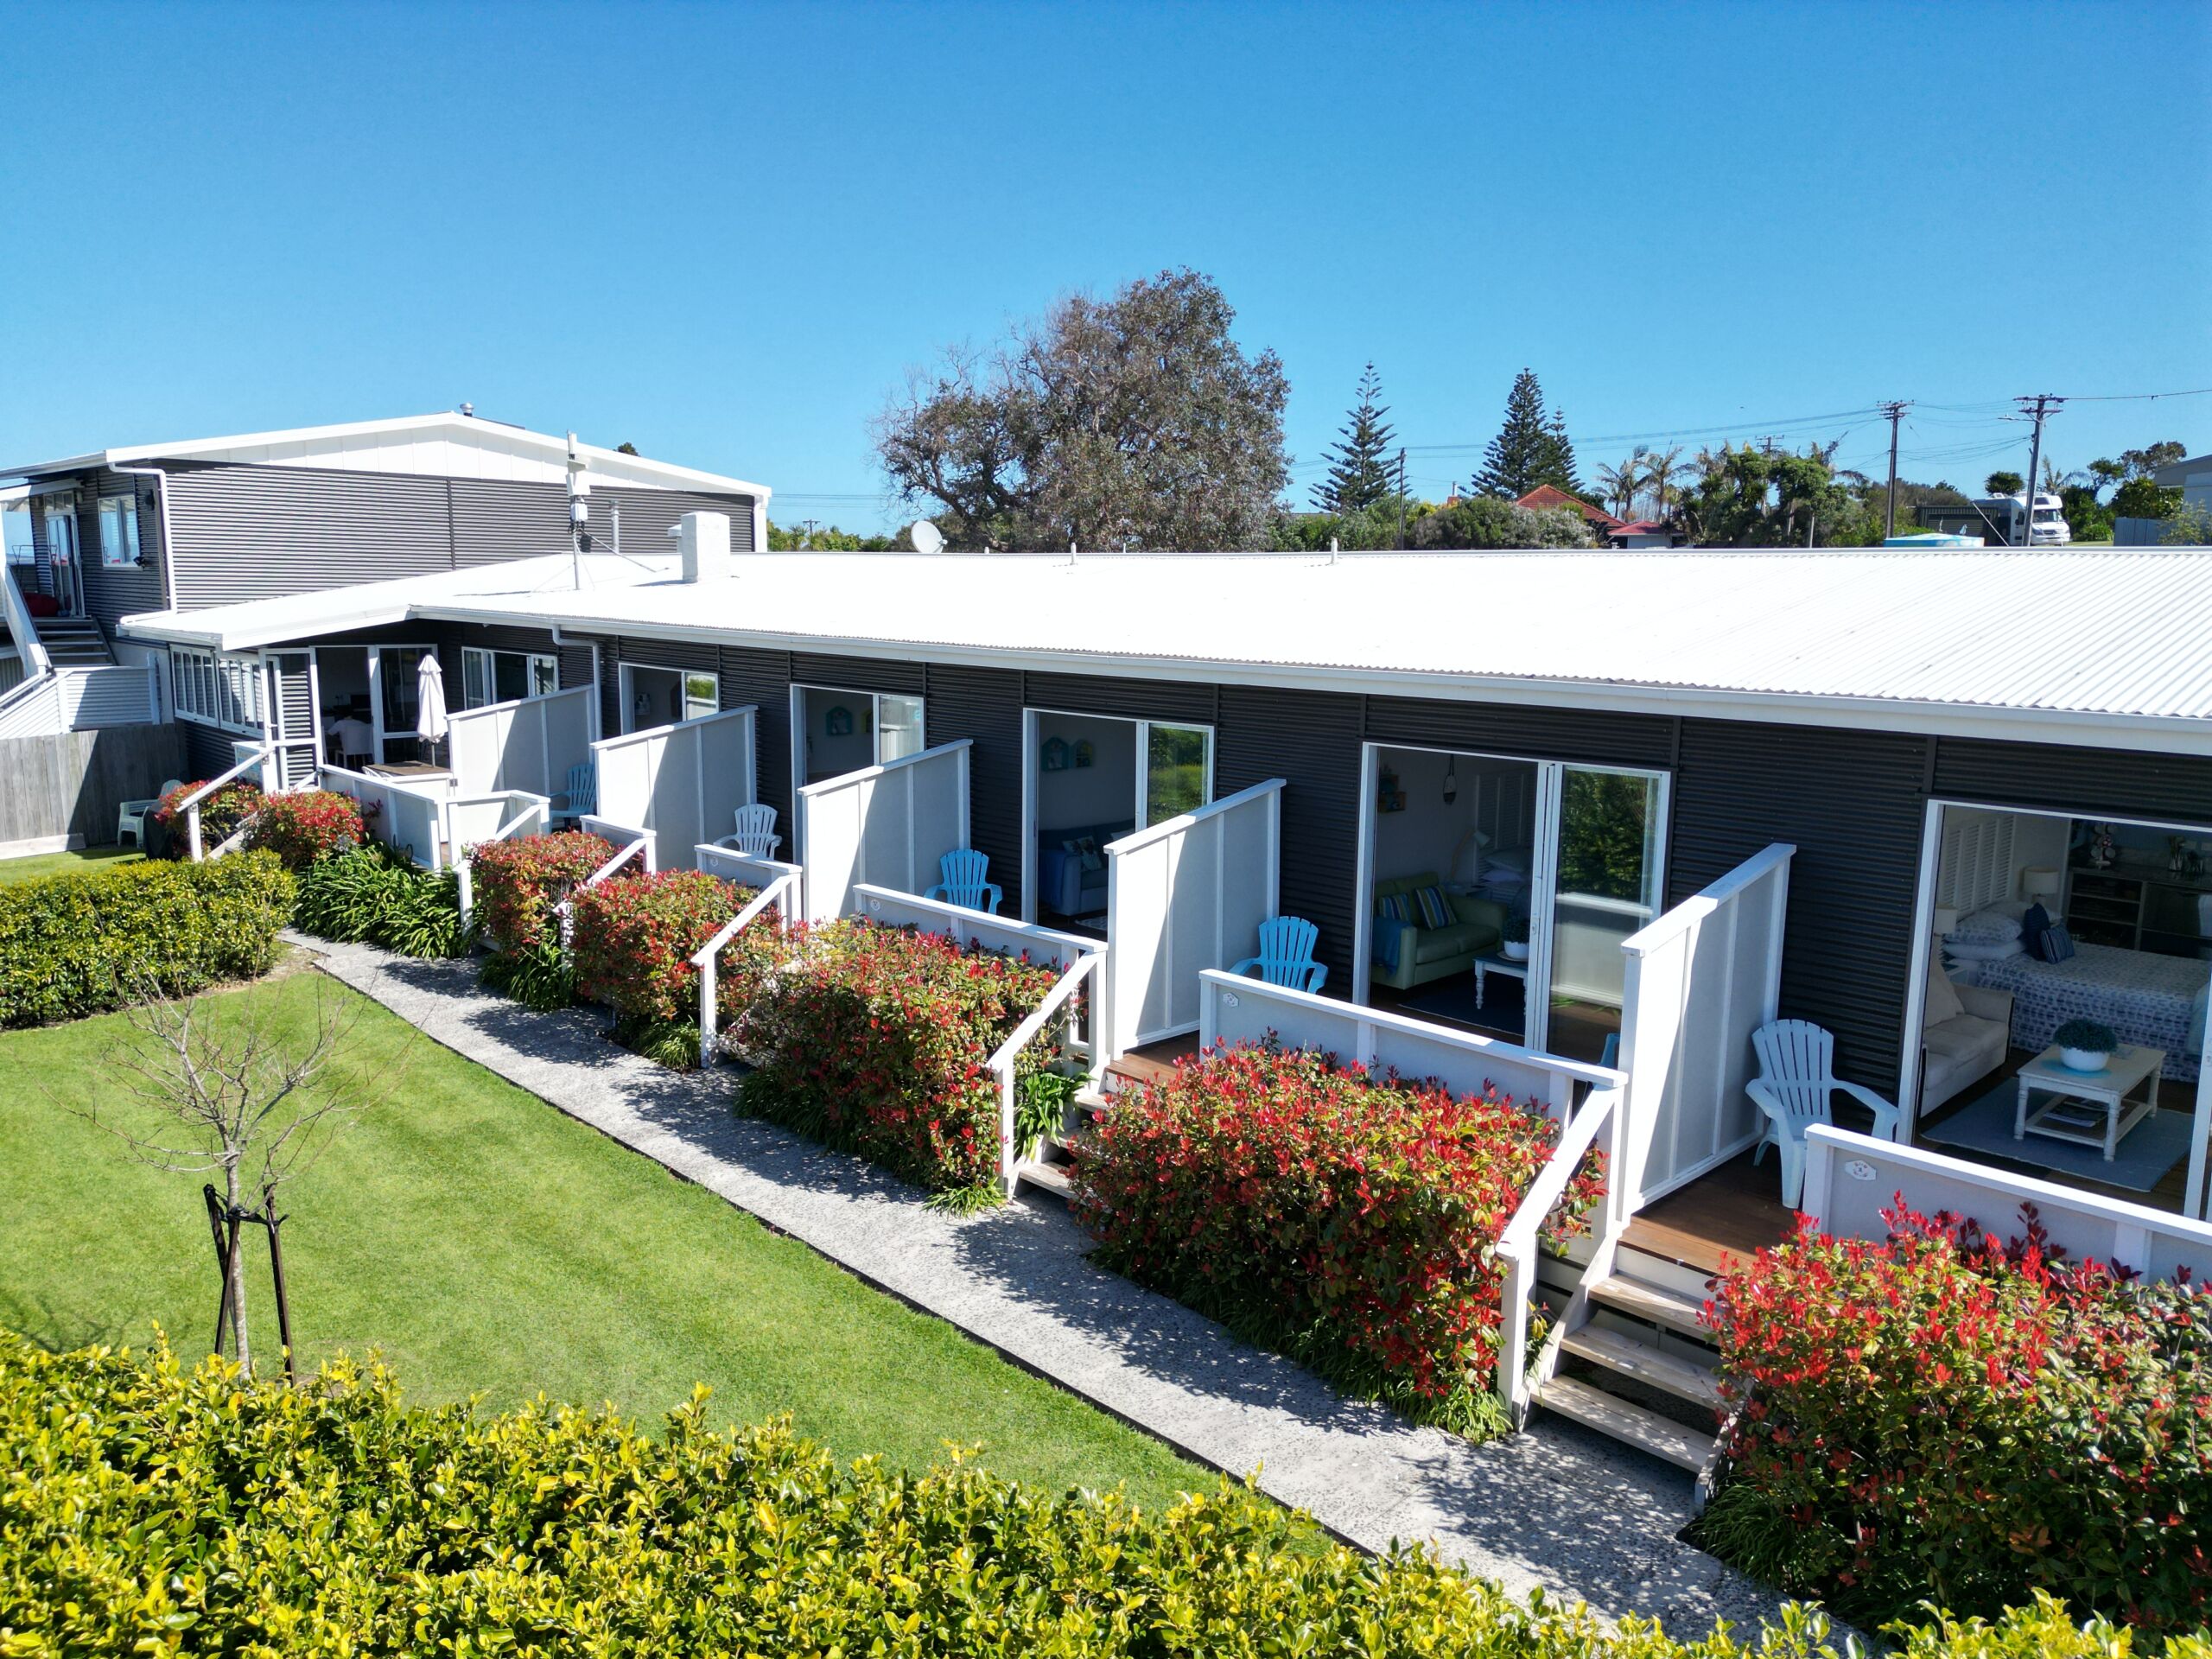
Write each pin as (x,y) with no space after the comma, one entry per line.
(1393,907)
(1435,908)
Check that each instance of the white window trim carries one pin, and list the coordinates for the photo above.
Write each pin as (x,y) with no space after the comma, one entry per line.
(875,700)
(204,685)
(626,691)
(488,655)
(1032,734)
(115,506)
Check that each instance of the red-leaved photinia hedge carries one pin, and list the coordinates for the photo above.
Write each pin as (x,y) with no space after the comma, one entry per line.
(878,1039)
(304,826)
(1942,1417)
(632,938)
(518,881)
(1342,1217)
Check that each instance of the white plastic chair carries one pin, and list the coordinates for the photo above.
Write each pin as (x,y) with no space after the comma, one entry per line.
(1795,1081)
(756,836)
(132,820)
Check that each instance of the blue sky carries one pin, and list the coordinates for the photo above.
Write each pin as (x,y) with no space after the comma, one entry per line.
(723,233)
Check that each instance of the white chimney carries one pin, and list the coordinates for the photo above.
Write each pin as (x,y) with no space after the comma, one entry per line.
(703,540)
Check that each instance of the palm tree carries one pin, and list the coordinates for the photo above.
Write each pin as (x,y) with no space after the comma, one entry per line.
(1662,470)
(1618,485)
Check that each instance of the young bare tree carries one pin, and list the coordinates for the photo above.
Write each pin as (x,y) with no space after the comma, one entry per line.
(230,1084)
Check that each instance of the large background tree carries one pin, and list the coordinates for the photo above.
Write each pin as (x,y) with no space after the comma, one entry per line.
(1359,473)
(1757,498)
(1531,449)
(1136,418)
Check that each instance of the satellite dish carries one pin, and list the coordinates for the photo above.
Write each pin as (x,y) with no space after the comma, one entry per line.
(925,536)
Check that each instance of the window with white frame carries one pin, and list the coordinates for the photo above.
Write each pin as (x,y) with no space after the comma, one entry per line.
(118,529)
(216,689)
(489,677)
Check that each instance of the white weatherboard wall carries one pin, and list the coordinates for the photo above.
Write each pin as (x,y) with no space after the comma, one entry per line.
(527,745)
(1233,1009)
(683,782)
(1851,1179)
(1182,897)
(1702,979)
(888,826)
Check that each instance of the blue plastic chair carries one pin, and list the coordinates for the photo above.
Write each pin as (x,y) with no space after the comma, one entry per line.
(965,869)
(1287,954)
(583,790)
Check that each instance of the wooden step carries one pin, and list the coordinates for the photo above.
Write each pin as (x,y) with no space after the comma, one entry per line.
(1652,1305)
(1045,1178)
(1647,1431)
(1684,1378)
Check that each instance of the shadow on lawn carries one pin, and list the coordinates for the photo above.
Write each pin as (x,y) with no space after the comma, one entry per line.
(59,1330)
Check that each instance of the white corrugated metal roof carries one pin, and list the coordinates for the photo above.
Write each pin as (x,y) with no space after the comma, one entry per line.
(442,445)
(2124,633)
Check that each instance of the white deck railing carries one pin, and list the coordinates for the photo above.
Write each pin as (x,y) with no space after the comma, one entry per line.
(1183,897)
(749,869)
(21,628)
(1850,1179)
(528,744)
(1598,1124)
(976,929)
(889,825)
(780,894)
(1004,1062)
(1700,980)
(472,820)
(638,849)
(408,817)
(627,836)
(684,782)
(190,804)
(1234,1009)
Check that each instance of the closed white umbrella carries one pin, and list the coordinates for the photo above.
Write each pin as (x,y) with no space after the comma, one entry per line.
(430,699)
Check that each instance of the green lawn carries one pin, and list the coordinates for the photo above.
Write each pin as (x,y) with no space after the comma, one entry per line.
(38,864)
(488,1245)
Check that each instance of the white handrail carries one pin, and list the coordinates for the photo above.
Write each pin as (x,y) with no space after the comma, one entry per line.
(538,811)
(1166,827)
(884,768)
(1598,1123)
(23,631)
(1001,1062)
(265,755)
(783,893)
(641,849)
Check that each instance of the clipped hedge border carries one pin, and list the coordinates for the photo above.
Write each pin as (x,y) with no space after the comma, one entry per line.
(73,944)
(151,1508)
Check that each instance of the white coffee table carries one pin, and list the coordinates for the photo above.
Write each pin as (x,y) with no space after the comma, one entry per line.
(2090,1108)
(1485,966)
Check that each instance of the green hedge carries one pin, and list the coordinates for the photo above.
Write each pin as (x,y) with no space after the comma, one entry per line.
(148,1508)
(68,944)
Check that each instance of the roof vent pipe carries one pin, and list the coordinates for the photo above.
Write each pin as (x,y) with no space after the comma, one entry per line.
(703,540)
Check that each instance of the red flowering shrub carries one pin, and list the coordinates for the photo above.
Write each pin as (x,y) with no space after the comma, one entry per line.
(518,881)
(1343,1219)
(633,937)
(304,827)
(220,814)
(878,1040)
(1940,1417)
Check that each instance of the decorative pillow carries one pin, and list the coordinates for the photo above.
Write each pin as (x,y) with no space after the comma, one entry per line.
(1435,908)
(1968,951)
(2033,926)
(1085,848)
(1992,924)
(2058,943)
(1942,1002)
(1393,907)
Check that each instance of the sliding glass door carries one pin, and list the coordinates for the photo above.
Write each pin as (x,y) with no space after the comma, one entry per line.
(1603,880)
(1178,770)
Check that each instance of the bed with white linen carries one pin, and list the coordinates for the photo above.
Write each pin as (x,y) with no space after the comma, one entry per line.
(2144,997)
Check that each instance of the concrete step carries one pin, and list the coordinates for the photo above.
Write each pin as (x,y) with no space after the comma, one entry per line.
(1670,1310)
(1045,1178)
(1608,1413)
(1683,1378)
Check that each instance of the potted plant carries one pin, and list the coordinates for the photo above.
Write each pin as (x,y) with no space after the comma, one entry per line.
(1517,939)
(2085,1044)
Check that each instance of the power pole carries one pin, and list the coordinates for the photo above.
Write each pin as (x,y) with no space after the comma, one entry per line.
(1402,497)
(1896,413)
(2044,405)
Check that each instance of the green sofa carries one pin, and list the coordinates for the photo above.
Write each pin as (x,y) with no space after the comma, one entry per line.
(1429,953)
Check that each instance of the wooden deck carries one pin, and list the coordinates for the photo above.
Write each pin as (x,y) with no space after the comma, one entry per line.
(1733,1212)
